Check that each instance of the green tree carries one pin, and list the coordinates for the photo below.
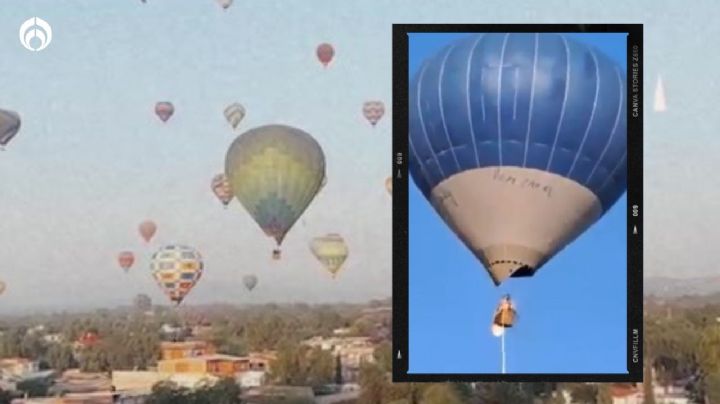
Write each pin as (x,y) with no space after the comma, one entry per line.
(225,391)
(374,384)
(338,370)
(60,357)
(319,367)
(168,393)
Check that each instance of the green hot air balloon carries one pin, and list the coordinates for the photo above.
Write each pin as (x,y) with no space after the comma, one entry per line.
(275,171)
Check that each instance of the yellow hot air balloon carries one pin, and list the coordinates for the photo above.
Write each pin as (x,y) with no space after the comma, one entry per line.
(275,171)
(331,251)
(176,269)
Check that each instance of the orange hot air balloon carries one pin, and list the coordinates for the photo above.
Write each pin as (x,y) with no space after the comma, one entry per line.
(147,230)
(126,259)
(388,185)
(325,53)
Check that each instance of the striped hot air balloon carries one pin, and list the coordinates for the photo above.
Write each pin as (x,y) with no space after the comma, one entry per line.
(331,251)
(221,188)
(373,111)
(177,269)
(519,141)
(234,114)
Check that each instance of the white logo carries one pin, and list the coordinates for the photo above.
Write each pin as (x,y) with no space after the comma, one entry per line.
(35,34)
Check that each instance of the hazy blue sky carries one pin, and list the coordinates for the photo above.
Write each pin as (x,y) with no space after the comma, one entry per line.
(91,160)
(572,312)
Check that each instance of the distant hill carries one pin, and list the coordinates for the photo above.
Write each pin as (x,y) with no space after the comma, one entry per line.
(676,287)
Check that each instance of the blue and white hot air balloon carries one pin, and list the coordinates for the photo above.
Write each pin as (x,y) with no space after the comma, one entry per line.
(519,142)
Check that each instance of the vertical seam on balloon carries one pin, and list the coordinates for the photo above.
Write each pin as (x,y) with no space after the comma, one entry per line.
(612,173)
(592,113)
(422,121)
(515,81)
(614,130)
(442,110)
(499,96)
(532,97)
(467,93)
(564,104)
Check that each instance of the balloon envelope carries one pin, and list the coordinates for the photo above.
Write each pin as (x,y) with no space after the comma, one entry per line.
(225,4)
(164,110)
(373,111)
(126,260)
(176,269)
(388,185)
(275,171)
(221,188)
(147,230)
(331,251)
(250,281)
(519,142)
(9,126)
(234,114)
(325,53)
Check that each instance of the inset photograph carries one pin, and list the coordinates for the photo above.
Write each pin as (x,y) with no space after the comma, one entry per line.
(521,148)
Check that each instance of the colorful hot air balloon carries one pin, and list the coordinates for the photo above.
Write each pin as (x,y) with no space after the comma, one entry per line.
(373,111)
(275,171)
(2,287)
(176,269)
(250,281)
(221,188)
(147,230)
(325,53)
(234,114)
(660,104)
(519,142)
(164,110)
(9,126)
(225,4)
(388,185)
(126,259)
(331,251)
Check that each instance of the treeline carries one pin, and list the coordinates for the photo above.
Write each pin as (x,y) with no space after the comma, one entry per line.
(129,338)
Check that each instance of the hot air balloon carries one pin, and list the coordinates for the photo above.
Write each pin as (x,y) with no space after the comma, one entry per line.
(275,171)
(250,281)
(3,286)
(176,269)
(325,53)
(147,230)
(225,4)
(9,126)
(519,142)
(126,260)
(221,188)
(504,317)
(234,113)
(164,110)
(142,302)
(388,185)
(373,111)
(660,105)
(331,251)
